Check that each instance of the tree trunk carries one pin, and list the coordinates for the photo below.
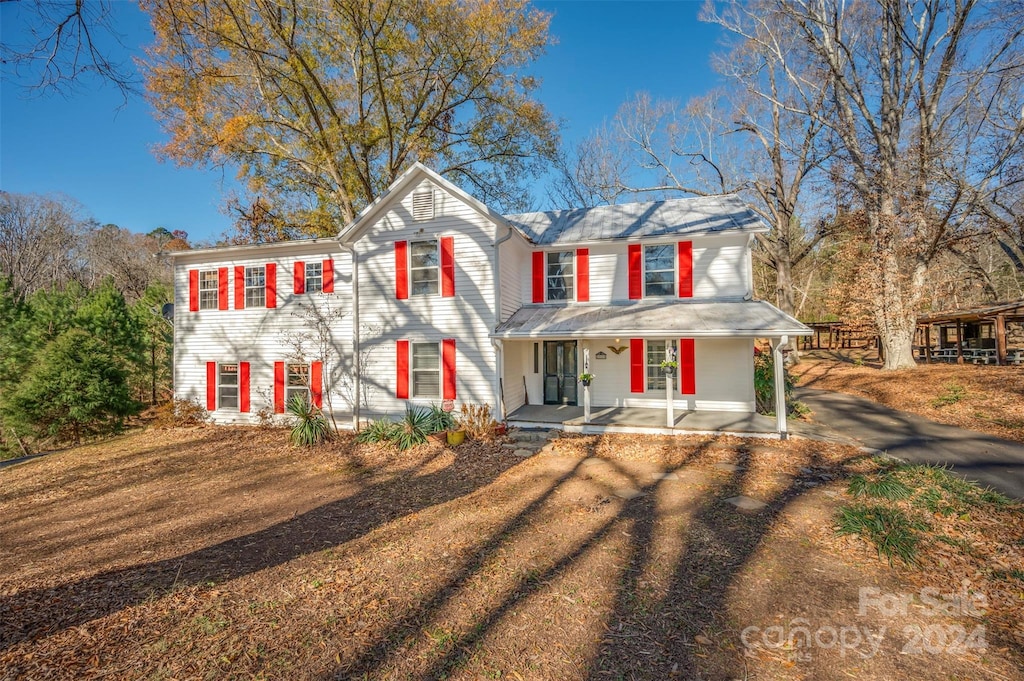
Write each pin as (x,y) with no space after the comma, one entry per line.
(784,297)
(895,299)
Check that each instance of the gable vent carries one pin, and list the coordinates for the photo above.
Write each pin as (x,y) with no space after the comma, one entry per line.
(423,204)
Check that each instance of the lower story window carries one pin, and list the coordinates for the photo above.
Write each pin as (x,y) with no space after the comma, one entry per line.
(655,356)
(227,386)
(298,383)
(426,370)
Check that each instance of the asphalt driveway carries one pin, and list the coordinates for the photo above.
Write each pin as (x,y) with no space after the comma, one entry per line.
(993,462)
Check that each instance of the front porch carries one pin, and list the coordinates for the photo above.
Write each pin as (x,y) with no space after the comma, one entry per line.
(641,420)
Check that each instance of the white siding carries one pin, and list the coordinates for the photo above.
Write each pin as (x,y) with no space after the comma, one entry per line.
(259,336)
(724,375)
(513,260)
(720,269)
(469,317)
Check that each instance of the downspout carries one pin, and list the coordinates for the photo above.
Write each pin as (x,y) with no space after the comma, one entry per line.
(499,350)
(780,387)
(356,377)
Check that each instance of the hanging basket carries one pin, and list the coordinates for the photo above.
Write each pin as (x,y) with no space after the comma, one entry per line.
(586,382)
(669,371)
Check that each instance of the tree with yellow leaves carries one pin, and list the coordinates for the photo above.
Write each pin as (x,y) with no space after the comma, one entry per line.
(321,104)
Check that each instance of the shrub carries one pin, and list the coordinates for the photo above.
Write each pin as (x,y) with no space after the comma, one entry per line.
(883,486)
(477,422)
(188,413)
(413,429)
(441,420)
(381,430)
(310,425)
(764,386)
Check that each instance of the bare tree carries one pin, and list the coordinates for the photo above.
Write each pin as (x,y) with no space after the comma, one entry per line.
(39,239)
(64,41)
(903,77)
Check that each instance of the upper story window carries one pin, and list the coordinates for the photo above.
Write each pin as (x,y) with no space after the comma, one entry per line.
(227,386)
(208,290)
(298,383)
(426,370)
(660,270)
(314,277)
(425,262)
(423,204)
(560,275)
(255,286)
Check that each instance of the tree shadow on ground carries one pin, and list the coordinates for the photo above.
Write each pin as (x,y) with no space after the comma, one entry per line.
(38,612)
(643,640)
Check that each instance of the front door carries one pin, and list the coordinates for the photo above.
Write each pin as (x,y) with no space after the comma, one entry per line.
(560,372)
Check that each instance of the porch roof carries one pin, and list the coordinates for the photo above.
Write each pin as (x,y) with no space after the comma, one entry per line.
(677,318)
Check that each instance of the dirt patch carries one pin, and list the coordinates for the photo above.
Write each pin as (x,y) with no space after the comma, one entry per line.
(224,553)
(988,399)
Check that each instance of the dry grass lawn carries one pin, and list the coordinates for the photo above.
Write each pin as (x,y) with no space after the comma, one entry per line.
(988,399)
(222,553)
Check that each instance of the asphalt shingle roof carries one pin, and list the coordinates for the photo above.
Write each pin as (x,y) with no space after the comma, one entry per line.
(672,217)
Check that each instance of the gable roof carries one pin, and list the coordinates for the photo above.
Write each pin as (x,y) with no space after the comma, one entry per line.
(410,178)
(673,217)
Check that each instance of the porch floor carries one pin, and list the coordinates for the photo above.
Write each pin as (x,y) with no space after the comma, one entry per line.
(642,417)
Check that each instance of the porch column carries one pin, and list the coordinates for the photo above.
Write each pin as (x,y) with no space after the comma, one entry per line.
(780,387)
(586,387)
(670,387)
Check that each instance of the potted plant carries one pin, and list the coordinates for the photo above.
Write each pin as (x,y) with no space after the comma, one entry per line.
(586,379)
(669,367)
(453,434)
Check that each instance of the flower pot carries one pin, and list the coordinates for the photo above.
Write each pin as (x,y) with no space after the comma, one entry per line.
(440,437)
(456,437)
(500,429)
(586,382)
(669,371)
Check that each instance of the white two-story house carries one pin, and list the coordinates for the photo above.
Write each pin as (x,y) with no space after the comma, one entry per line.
(429,295)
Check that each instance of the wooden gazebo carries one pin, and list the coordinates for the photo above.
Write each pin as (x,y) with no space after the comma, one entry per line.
(976,328)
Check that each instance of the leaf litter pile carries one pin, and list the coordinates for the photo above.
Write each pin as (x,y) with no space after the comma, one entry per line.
(225,553)
(987,398)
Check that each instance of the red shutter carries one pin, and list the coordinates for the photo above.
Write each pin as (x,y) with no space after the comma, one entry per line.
(401,270)
(636,272)
(583,275)
(447,266)
(316,383)
(448,368)
(402,362)
(637,365)
(687,367)
(222,288)
(538,276)
(278,387)
(299,278)
(328,285)
(211,386)
(243,387)
(193,290)
(239,288)
(271,285)
(685,269)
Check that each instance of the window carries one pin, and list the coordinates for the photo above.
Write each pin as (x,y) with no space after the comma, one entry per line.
(426,370)
(208,290)
(560,275)
(255,287)
(655,356)
(425,267)
(314,277)
(227,386)
(660,270)
(298,383)
(423,204)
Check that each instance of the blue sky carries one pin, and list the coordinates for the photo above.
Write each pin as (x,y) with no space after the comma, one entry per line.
(91,148)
